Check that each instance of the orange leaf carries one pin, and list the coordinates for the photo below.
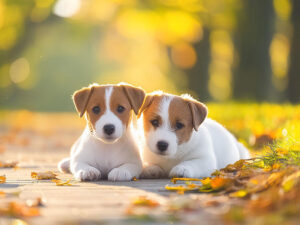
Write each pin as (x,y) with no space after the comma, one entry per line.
(2,179)
(218,183)
(61,183)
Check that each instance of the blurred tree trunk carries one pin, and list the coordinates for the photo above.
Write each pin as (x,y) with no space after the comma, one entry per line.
(293,90)
(255,28)
(198,76)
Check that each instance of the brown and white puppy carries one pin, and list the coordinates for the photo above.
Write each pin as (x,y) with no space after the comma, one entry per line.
(181,142)
(107,147)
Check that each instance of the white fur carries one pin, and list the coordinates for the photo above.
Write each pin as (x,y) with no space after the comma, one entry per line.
(211,147)
(93,156)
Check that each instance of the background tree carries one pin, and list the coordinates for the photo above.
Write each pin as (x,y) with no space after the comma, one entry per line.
(198,76)
(255,28)
(293,90)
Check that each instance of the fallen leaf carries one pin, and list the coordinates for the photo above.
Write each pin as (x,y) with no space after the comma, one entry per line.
(9,164)
(16,209)
(180,189)
(206,181)
(289,182)
(48,175)
(219,183)
(175,179)
(239,194)
(61,183)
(144,201)
(2,179)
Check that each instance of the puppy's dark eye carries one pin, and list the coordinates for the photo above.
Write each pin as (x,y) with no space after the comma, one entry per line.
(179,125)
(96,109)
(154,122)
(120,109)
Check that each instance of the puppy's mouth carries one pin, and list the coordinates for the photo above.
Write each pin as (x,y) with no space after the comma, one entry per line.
(109,139)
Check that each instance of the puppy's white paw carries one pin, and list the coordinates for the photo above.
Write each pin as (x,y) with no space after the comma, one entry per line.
(118,174)
(88,174)
(152,172)
(181,171)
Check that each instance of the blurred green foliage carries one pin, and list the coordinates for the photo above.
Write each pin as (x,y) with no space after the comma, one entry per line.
(216,50)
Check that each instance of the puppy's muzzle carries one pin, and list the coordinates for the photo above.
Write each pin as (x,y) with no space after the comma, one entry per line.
(162,146)
(109,129)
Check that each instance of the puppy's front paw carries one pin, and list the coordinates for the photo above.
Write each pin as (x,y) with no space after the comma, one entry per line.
(118,174)
(88,174)
(152,172)
(181,171)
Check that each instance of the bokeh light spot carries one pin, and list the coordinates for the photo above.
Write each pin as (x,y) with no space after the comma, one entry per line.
(66,8)
(19,70)
(184,55)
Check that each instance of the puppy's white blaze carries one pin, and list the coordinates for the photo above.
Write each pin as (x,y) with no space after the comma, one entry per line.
(164,132)
(164,111)
(108,92)
(109,118)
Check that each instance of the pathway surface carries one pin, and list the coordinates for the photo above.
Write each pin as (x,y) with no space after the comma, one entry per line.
(38,143)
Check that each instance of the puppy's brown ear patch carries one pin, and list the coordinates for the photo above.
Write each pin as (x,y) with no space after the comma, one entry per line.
(81,99)
(146,104)
(199,112)
(135,96)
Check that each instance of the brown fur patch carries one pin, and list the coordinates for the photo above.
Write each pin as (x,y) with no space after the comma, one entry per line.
(179,111)
(96,99)
(150,112)
(119,98)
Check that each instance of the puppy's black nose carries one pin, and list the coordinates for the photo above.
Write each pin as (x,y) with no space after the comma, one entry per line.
(162,146)
(109,129)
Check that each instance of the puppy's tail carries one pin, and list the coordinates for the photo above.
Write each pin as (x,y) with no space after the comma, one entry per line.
(64,165)
(244,153)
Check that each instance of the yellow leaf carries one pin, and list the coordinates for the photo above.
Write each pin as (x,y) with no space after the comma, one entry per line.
(175,179)
(239,194)
(290,181)
(206,181)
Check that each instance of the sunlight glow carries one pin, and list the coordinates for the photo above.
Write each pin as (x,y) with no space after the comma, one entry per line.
(66,8)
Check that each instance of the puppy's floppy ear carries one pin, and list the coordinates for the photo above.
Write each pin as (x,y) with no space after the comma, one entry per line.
(199,112)
(146,104)
(81,99)
(134,95)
